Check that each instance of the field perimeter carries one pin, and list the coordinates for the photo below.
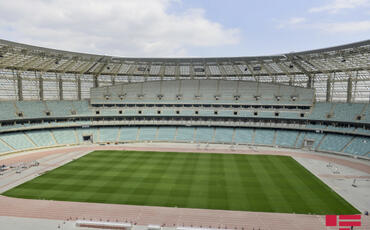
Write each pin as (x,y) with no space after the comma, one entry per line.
(189,180)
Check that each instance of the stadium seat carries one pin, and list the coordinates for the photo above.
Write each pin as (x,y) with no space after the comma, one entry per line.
(204,134)
(243,136)
(286,138)
(64,136)
(358,146)
(108,134)
(41,137)
(166,134)
(264,137)
(334,142)
(224,135)
(128,134)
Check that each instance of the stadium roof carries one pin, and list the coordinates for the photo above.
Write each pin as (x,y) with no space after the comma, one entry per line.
(338,73)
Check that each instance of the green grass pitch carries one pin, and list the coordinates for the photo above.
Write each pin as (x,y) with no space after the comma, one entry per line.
(190,180)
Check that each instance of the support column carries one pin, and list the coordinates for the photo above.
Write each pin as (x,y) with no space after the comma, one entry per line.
(291,80)
(328,89)
(96,83)
(60,87)
(19,86)
(349,89)
(41,87)
(78,87)
(310,81)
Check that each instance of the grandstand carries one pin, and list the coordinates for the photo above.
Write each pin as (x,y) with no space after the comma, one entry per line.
(52,98)
(282,104)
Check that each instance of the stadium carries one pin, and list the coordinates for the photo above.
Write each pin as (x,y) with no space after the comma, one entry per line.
(264,142)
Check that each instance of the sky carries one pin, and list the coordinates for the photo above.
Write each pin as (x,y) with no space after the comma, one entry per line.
(185,28)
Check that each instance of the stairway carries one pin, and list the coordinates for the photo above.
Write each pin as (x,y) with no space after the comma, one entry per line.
(30,140)
(52,136)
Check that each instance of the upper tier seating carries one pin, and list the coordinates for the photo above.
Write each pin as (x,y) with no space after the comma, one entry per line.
(367,113)
(81,107)
(30,110)
(320,111)
(347,112)
(37,109)
(7,110)
(59,108)
(202,91)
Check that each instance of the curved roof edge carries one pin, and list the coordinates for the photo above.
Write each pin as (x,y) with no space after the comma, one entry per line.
(63,53)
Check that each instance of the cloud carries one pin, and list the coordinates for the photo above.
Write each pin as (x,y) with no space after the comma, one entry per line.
(337,5)
(296,20)
(291,22)
(345,27)
(114,27)
(331,27)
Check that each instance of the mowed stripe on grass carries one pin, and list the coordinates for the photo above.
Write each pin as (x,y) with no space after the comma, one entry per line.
(189,180)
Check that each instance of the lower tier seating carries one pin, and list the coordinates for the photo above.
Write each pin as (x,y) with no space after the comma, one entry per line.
(264,137)
(358,146)
(4,147)
(128,134)
(244,136)
(166,134)
(41,137)
(147,133)
(65,136)
(286,138)
(17,140)
(204,134)
(224,135)
(334,142)
(185,134)
(108,134)
(313,140)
